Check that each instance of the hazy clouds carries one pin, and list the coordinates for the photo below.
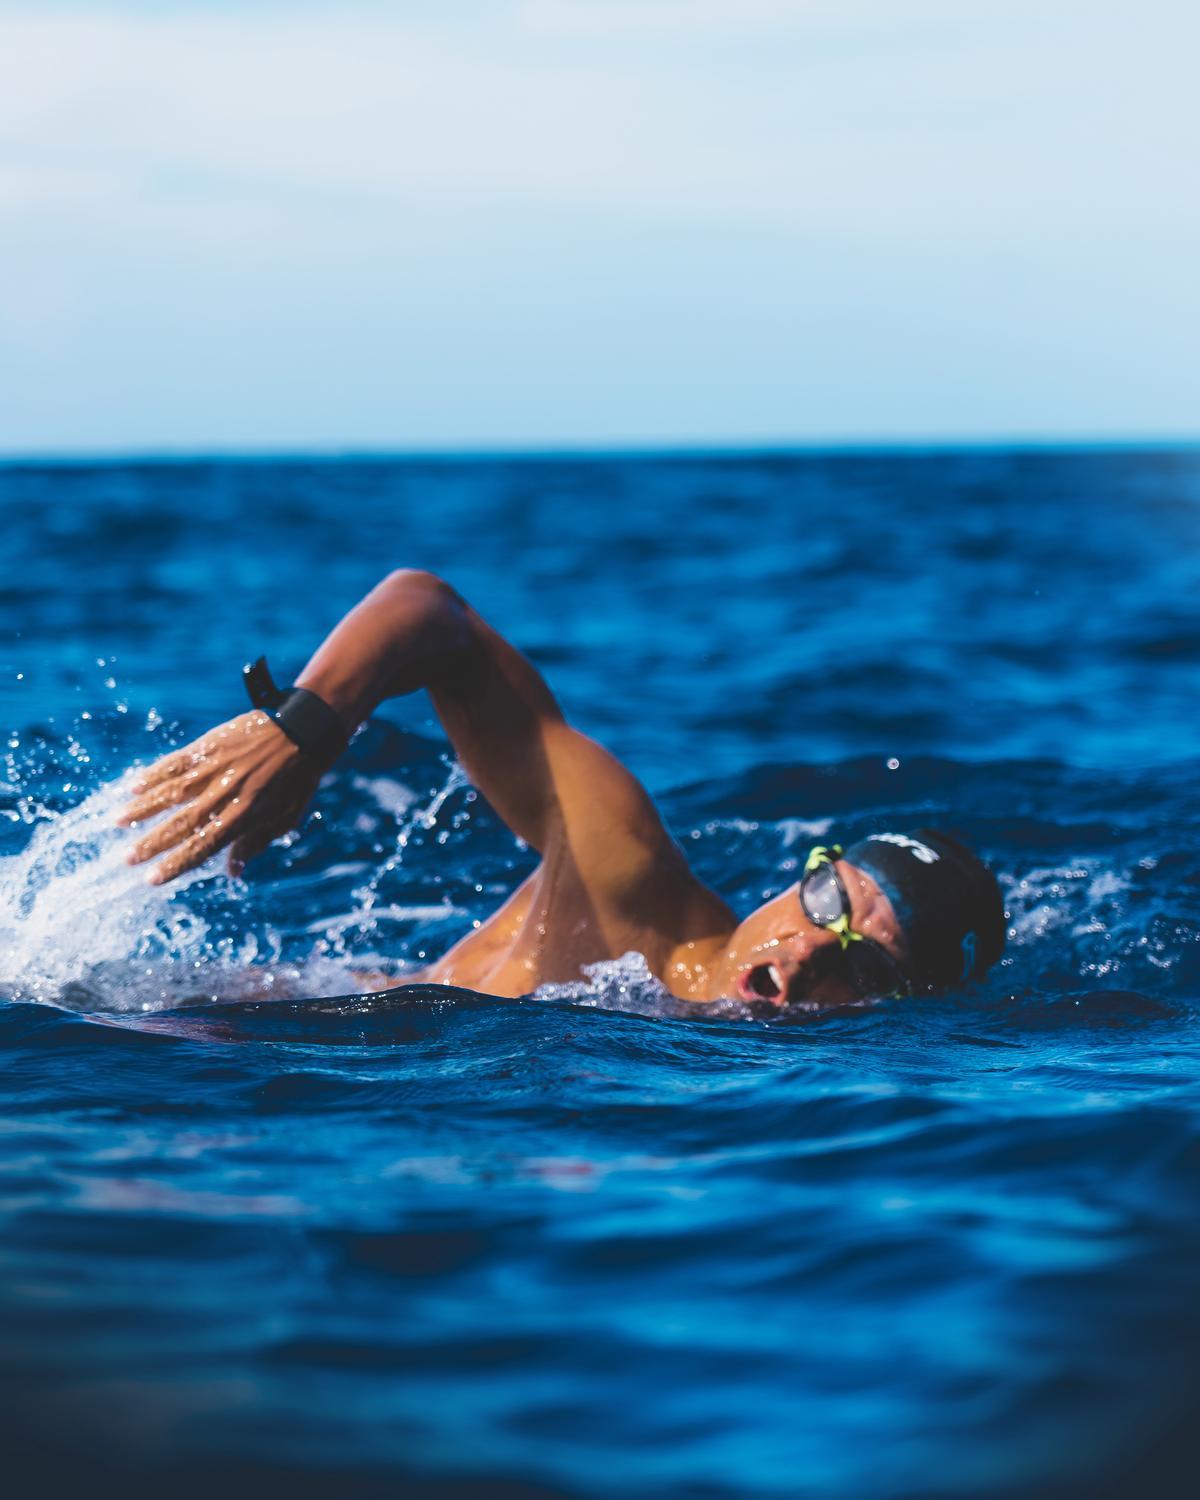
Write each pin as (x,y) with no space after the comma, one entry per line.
(563,221)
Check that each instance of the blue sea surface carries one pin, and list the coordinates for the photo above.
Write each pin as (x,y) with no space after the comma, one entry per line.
(432,1243)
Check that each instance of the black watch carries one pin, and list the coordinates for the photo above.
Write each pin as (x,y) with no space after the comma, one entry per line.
(306,719)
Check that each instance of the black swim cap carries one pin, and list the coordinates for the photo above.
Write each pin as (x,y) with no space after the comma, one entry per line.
(946,900)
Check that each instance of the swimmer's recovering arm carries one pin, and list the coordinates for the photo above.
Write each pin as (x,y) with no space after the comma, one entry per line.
(246,783)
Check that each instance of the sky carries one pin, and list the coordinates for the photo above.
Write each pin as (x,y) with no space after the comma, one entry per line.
(592,223)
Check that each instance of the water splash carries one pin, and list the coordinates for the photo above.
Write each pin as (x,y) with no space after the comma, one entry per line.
(413,817)
(626,984)
(82,929)
(69,904)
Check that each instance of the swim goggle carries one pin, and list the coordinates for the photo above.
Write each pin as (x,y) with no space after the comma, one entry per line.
(870,968)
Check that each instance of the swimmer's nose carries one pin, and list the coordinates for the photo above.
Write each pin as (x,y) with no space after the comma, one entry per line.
(807,953)
(812,941)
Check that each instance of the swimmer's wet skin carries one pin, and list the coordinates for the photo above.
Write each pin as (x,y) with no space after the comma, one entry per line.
(895,913)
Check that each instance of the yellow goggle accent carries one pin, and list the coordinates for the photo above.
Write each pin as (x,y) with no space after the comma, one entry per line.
(822,854)
(825,854)
(846,934)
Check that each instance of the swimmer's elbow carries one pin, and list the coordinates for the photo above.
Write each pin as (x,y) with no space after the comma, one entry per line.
(419,603)
(427,634)
(417,586)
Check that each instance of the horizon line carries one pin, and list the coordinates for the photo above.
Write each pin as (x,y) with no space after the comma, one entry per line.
(656,448)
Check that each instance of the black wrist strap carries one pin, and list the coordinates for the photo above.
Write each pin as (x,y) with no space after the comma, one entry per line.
(306,719)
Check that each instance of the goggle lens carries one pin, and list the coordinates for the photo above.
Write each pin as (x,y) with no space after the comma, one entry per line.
(822,896)
(871,970)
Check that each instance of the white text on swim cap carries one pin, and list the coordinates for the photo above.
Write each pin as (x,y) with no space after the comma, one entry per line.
(923,852)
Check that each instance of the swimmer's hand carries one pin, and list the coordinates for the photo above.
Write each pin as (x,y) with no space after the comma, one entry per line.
(239,786)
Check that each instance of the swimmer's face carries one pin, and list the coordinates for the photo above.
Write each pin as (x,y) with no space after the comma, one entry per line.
(778,954)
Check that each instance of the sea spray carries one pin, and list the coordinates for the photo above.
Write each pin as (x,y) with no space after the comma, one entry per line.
(82,928)
(70,904)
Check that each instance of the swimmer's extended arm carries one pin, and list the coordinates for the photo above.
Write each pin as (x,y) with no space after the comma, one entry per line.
(245,783)
(548,782)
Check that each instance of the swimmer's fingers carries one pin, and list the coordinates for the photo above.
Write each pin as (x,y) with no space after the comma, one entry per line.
(186,784)
(183,826)
(178,763)
(220,746)
(202,845)
(243,779)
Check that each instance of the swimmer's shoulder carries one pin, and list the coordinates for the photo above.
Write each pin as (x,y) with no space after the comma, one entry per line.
(656,887)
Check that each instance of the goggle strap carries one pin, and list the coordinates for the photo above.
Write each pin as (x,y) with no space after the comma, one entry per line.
(821,854)
(845,934)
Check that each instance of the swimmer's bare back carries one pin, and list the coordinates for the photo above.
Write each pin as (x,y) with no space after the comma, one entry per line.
(611,879)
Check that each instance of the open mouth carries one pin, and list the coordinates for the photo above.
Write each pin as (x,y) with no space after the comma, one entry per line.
(762,982)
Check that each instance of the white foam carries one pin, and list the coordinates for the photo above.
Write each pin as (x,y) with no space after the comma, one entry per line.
(334,926)
(624,983)
(1108,883)
(80,927)
(1044,900)
(391,797)
(794,830)
(627,984)
(69,902)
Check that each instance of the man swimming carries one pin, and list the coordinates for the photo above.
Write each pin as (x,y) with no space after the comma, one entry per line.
(896,913)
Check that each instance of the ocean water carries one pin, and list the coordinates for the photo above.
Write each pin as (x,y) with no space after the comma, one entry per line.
(433,1243)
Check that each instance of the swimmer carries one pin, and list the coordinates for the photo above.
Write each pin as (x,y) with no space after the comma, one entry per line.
(896,913)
